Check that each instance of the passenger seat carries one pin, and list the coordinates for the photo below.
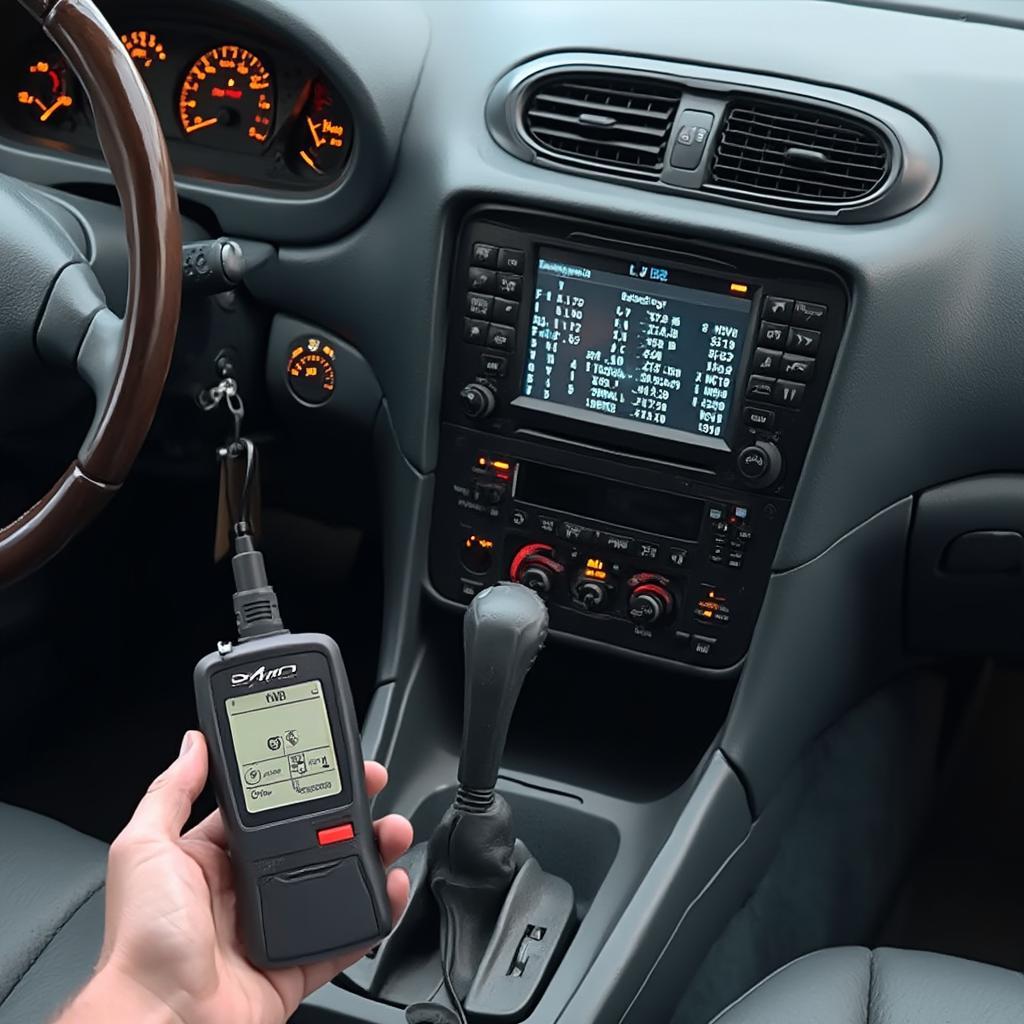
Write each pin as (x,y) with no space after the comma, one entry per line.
(852,985)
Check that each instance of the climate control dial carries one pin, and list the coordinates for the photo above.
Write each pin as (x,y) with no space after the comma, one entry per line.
(536,567)
(650,601)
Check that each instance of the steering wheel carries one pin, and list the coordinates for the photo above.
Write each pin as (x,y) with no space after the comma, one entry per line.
(52,308)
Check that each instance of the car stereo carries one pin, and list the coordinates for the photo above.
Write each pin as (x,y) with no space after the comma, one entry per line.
(625,419)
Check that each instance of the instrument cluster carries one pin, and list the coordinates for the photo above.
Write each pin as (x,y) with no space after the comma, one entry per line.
(232,108)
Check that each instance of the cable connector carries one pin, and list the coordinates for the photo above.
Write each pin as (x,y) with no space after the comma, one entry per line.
(256,610)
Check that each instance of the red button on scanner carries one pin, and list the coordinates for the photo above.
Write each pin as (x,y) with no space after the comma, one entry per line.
(336,834)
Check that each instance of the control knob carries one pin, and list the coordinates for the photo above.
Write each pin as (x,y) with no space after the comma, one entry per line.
(477,401)
(592,594)
(650,602)
(760,464)
(536,567)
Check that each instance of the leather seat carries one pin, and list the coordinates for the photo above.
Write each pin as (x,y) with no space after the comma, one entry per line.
(51,914)
(883,986)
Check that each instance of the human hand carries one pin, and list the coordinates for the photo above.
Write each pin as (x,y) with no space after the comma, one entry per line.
(171,949)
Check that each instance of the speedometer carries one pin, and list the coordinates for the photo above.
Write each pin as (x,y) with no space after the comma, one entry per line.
(227,99)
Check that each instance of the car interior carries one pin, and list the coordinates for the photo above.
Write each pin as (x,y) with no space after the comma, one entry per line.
(636,388)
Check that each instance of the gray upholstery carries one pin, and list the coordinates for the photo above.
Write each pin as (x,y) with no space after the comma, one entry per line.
(51,914)
(884,986)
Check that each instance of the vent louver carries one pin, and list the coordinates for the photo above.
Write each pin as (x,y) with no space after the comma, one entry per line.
(788,153)
(618,123)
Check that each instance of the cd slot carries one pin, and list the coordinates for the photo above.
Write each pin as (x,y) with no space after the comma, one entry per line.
(615,453)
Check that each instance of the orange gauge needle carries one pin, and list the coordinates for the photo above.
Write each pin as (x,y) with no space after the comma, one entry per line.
(60,101)
(195,126)
(317,141)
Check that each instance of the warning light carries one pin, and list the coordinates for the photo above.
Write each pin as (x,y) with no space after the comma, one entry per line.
(473,541)
(501,468)
(739,289)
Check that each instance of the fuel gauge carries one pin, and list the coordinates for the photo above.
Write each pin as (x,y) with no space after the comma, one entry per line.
(322,141)
(43,91)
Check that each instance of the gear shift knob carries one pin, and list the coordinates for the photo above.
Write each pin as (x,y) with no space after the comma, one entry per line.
(505,627)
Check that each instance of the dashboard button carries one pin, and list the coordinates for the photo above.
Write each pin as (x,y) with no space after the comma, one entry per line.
(510,286)
(808,314)
(505,311)
(648,552)
(772,334)
(547,524)
(520,517)
(677,557)
(492,365)
(797,367)
(576,532)
(503,338)
(766,360)
(704,646)
(479,306)
(485,255)
(788,393)
(620,545)
(763,419)
(691,139)
(803,341)
(511,259)
(481,279)
(760,387)
(777,308)
(474,331)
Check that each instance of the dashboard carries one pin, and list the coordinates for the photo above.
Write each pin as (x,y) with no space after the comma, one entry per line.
(235,106)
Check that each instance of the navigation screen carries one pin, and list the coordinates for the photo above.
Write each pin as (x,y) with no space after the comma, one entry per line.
(283,746)
(624,342)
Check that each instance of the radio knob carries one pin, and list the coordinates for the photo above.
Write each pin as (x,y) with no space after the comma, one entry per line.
(477,401)
(649,603)
(760,464)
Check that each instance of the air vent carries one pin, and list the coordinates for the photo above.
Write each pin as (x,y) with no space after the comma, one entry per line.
(788,153)
(613,122)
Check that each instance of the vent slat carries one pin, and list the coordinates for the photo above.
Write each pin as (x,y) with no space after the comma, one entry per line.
(751,154)
(610,121)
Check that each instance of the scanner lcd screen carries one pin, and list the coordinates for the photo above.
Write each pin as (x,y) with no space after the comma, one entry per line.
(283,746)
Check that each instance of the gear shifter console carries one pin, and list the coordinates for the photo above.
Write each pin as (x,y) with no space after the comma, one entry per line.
(497,920)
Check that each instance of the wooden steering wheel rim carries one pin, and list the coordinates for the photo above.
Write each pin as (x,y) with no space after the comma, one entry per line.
(133,144)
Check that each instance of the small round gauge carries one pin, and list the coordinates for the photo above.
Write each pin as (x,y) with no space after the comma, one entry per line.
(311,370)
(144,47)
(323,140)
(43,91)
(227,99)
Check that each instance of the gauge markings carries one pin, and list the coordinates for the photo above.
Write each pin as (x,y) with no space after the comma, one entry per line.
(229,91)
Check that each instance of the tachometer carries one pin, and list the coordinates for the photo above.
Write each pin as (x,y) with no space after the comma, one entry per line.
(144,47)
(227,99)
(44,91)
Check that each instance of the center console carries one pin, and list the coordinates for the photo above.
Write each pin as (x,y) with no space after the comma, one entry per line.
(625,420)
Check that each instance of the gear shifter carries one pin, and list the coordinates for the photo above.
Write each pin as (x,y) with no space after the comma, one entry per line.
(503,921)
(504,629)
(471,856)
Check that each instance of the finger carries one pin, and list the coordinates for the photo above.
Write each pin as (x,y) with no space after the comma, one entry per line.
(167,804)
(210,830)
(398,892)
(376,777)
(394,837)
(316,975)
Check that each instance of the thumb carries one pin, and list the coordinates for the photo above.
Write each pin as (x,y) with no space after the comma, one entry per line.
(166,807)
